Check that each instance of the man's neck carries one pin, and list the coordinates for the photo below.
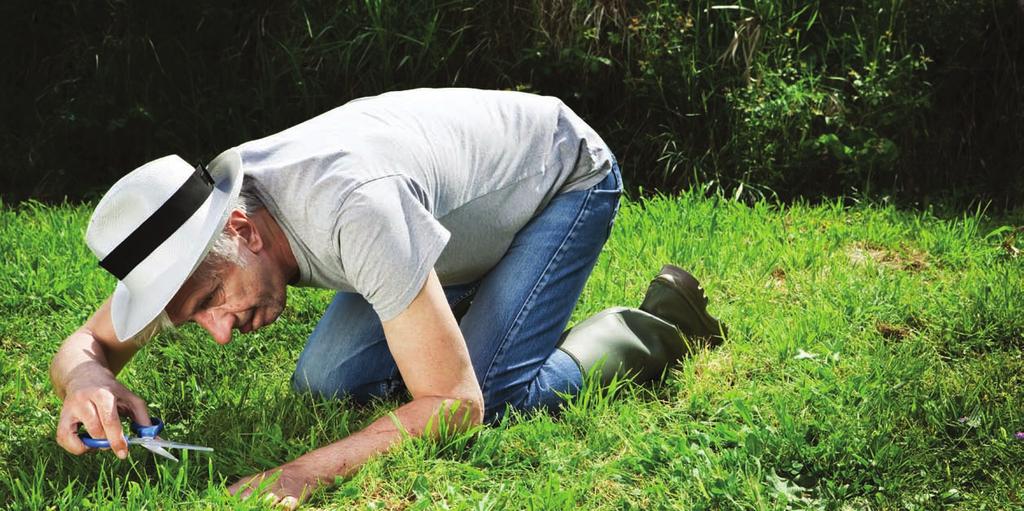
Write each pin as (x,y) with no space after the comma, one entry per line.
(276,243)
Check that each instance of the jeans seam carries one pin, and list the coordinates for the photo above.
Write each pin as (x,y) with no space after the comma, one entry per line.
(517,322)
(469,292)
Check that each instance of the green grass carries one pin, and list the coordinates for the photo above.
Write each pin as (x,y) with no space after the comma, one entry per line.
(910,401)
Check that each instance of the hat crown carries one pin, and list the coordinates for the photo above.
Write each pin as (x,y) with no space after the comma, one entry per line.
(133,199)
(154,227)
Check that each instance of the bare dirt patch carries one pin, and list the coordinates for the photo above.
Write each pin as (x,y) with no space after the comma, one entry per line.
(777,280)
(906,259)
(891,331)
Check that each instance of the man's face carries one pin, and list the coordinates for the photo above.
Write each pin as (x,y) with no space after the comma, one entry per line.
(222,296)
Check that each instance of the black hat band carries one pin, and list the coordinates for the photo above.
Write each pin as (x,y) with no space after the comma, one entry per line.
(167,219)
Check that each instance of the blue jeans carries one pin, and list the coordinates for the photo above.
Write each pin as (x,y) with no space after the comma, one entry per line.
(516,315)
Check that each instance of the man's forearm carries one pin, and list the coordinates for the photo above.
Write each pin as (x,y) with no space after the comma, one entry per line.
(93,351)
(80,355)
(344,457)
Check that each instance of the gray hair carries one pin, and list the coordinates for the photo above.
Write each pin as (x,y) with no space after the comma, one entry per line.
(159,323)
(224,247)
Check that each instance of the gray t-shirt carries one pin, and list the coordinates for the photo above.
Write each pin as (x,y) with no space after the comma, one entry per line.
(375,193)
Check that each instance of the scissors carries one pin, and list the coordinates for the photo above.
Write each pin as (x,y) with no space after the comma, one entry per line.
(146,438)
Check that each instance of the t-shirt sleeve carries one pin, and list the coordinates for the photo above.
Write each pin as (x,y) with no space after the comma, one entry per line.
(388,241)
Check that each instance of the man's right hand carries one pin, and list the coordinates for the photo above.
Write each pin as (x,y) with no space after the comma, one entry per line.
(83,373)
(98,404)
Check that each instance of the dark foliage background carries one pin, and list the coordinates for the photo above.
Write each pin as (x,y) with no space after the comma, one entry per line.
(798,98)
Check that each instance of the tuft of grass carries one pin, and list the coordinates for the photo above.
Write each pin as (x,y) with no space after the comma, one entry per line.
(874,361)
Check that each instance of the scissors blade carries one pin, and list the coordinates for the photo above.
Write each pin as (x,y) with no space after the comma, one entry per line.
(177,445)
(154,448)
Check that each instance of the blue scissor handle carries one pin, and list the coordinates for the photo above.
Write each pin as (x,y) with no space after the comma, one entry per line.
(138,429)
(148,431)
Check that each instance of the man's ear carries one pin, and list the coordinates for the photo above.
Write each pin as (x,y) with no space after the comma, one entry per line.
(242,225)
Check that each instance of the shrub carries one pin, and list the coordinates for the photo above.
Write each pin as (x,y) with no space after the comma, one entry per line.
(797,97)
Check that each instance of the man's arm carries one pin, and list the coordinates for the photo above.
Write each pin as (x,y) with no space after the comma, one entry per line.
(83,374)
(432,357)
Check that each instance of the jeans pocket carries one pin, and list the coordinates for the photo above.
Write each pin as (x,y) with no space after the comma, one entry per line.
(611,221)
(605,203)
(612,183)
(609,191)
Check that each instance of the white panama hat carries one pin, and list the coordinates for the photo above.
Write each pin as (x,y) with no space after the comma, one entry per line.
(153,228)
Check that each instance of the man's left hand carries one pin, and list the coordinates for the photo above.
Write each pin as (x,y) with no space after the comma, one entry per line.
(286,486)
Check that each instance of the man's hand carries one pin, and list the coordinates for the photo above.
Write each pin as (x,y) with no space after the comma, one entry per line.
(98,404)
(286,486)
(83,375)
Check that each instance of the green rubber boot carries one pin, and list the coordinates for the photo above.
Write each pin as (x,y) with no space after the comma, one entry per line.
(628,341)
(677,297)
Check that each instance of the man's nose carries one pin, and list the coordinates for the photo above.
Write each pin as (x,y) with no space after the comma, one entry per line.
(218,324)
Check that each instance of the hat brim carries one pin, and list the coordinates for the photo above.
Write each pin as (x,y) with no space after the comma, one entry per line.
(146,291)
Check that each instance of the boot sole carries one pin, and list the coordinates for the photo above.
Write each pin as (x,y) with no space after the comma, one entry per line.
(686,286)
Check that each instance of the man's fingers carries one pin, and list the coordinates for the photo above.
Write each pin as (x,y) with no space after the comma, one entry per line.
(266,488)
(91,422)
(112,429)
(246,487)
(67,434)
(242,488)
(289,503)
(99,411)
(138,409)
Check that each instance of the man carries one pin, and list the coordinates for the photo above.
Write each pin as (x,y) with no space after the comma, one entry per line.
(458,226)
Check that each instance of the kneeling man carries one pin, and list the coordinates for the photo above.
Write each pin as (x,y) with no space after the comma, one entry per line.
(458,227)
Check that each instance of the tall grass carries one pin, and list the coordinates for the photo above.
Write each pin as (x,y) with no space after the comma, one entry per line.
(795,97)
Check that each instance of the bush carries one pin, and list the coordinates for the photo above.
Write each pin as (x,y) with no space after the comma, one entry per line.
(799,98)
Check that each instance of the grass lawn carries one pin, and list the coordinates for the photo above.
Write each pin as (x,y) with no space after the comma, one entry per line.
(874,362)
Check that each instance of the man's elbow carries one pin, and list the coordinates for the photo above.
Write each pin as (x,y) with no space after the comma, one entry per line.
(476,410)
(465,411)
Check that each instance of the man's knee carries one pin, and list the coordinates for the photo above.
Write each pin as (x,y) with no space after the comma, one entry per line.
(306,383)
(547,394)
